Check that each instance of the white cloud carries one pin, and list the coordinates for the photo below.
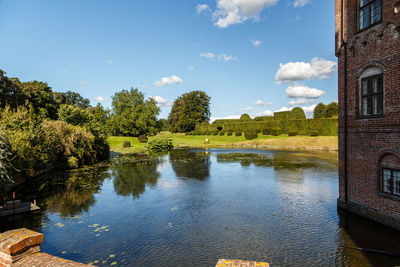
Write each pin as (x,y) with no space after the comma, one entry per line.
(256,43)
(302,91)
(267,113)
(282,109)
(230,117)
(207,55)
(168,81)
(226,58)
(301,101)
(72,64)
(300,3)
(230,12)
(262,103)
(296,71)
(223,57)
(161,101)
(100,98)
(202,8)
(309,109)
(108,61)
(246,109)
(84,84)
(191,68)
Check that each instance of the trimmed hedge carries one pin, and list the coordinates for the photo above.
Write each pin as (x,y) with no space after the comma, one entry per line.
(250,134)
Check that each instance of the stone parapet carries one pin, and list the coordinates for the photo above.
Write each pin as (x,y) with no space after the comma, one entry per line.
(21,247)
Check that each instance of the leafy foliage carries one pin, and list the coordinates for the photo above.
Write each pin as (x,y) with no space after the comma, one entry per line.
(331,110)
(189,110)
(297,113)
(245,117)
(132,115)
(160,145)
(319,111)
(7,171)
(250,134)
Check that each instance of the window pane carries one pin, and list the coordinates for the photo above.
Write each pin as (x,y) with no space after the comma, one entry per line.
(364,87)
(379,109)
(375,85)
(375,105)
(363,2)
(369,105)
(376,14)
(380,84)
(364,17)
(364,106)
(370,86)
(386,181)
(396,182)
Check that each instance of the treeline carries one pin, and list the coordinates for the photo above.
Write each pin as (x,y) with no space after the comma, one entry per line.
(41,130)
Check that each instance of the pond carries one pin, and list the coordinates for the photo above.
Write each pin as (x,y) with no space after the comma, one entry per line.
(193,207)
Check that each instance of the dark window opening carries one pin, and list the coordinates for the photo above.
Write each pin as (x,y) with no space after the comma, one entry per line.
(391,181)
(372,96)
(370,13)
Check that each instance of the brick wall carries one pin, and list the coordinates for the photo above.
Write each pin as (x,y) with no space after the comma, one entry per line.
(369,141)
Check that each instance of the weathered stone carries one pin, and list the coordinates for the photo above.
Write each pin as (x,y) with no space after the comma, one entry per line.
(240,263)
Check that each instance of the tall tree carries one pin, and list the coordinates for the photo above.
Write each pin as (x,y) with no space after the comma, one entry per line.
(188,110)
(40,95)
(10,91)
(71,98)
(132,115)
(331,110)
(319,111)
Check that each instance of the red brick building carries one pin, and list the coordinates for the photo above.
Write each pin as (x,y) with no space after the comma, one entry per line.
(368,51)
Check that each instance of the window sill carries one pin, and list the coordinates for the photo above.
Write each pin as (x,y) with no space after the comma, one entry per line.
(369,27)
(389,196)
(371,117)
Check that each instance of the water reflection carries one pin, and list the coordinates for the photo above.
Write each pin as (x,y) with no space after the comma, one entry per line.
(132,173)
(190,164)
(280,208)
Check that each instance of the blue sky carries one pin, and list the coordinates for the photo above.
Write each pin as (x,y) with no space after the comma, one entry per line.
(250,56)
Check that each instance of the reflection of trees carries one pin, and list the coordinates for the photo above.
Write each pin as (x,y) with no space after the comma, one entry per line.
(190,164)
(75,194)
(133,173)
(278,160)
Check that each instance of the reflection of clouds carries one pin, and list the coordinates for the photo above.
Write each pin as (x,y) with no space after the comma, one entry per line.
(162,165)
(168,184)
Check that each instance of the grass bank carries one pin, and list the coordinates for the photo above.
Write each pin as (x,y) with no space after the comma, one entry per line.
(282,142)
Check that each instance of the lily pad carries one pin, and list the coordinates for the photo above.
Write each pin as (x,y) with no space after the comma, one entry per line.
(60,224)
(112,255)
(114,263)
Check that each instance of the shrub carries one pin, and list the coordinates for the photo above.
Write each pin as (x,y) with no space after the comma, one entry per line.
(229,133)
(297,113)
(292,133)
(160,145)
(266,131)
(276,131)
(73,162)
(238,133)
(215,132)
(221,133)
(250,134)
(126,144)
(143,139)
(314,133)
(245,117)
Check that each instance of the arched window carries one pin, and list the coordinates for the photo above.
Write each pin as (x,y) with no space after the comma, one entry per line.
(371,86)
(390,166)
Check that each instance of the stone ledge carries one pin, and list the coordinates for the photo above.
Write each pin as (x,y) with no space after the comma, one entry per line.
(240,263)
(15,241)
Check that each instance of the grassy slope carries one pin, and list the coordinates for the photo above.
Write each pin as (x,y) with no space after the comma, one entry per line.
(282,142)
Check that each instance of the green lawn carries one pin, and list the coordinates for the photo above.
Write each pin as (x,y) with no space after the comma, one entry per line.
(282,142)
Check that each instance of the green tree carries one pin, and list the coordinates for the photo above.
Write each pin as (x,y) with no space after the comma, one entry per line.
(40,96)
(10,91)
(7,169)
(71,98)
(331,110)
(132,115)
(319,111)
(74,115)
(189,110)
(297,113)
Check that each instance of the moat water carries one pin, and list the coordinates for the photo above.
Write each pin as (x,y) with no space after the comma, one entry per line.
(193,207)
